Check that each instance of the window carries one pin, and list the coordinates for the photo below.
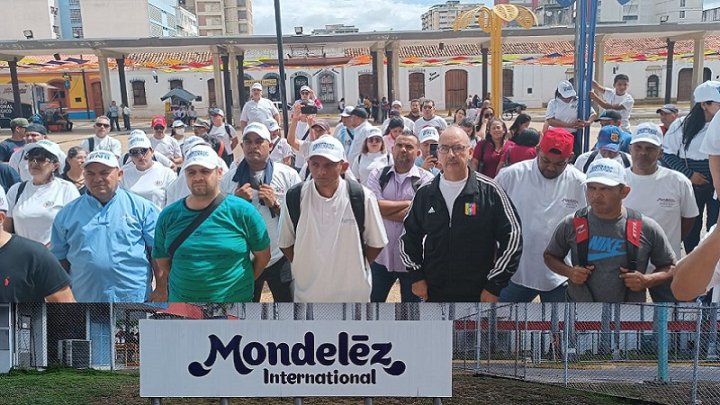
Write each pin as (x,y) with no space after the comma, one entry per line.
(682,3)
(77,32)
(212,102)
(176,84)
(75,14)
(682,14)
(630,18)
(138,90)
(75,3)
(242,15)
(653,86)
(327,88)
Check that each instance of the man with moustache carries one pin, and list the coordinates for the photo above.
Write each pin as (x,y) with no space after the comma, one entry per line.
(204,242)
(462,239)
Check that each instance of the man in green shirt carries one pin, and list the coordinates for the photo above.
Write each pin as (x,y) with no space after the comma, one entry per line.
(214,263)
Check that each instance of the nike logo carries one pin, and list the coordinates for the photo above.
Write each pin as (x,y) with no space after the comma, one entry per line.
(602,247)
(431,210)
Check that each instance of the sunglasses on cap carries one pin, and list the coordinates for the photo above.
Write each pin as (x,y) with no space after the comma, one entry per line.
(101,125)
(137,152)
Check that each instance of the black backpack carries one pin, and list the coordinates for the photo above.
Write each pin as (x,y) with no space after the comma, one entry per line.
(633,232)
(357,203)
(384,179)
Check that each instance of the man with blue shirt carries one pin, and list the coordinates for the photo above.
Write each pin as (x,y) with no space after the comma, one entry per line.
(104,238)
(428,136)
(219,259)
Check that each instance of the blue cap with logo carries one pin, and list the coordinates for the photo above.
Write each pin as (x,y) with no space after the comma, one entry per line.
(609,138)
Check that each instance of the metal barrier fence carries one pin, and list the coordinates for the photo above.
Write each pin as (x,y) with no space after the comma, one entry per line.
(662,353)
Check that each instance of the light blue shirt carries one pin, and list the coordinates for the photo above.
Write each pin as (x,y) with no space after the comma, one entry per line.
(107,246)
(419,162)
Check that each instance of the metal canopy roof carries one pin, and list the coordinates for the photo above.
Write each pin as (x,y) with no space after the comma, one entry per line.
(124,46)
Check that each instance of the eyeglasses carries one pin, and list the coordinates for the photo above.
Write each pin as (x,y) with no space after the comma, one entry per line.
(137,152)
(101,125)
(457,148)
(304,92)
(158,127)
(37,160)
(374,139)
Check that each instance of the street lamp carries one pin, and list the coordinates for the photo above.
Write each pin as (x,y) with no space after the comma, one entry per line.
(28,34)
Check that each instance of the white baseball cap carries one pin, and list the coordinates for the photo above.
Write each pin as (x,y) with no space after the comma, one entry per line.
(708,91)
(428,134)
(190,142)
(647,132)
(103,157)
(374,132)
(256,86)
(3,200)
(396,102)
(257,128)
(272,125)
(606,171)
(328,147)
(566,89)
(139,141)
(178,124)
(50,146)
(217,111)
(201,155)
(305,88)
(346,111)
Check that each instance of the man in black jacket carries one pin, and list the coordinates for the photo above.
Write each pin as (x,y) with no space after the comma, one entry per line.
(462,238)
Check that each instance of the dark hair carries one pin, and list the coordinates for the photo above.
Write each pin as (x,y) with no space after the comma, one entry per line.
(694,123)
(621,76)
(519,121)
(395,122)
(456,111)
(468,123)
(527,137)
(488,137)
(71,153)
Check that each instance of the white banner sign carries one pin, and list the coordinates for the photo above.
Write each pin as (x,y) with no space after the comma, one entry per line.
(228,358)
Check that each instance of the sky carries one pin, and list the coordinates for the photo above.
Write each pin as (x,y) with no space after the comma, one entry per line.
(367,15)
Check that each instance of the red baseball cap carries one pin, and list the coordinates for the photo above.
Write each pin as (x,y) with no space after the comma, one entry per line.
(557,142)
(158,120)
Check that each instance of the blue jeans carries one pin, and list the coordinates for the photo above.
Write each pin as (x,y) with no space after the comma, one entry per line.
(517,293)
(383,280)
(704,199)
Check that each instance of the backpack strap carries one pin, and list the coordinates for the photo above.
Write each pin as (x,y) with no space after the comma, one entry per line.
(357,203)
(582,235)
(384,178)
(626,161)
(21,188)
(292,200)
(591,158)
(633,233)
(204,214)
(91,144)
(227,131)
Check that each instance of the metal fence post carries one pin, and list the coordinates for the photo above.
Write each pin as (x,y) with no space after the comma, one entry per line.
(224,401)
(437,401)
(696,357)
(661,318)
(297,401)
(712,339)
(477,339)
(565,344)
(156,401)
(368,401)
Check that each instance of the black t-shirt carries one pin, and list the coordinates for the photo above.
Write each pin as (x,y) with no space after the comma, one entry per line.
(29,272)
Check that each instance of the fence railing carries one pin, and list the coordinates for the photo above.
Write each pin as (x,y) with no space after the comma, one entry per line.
(662,353)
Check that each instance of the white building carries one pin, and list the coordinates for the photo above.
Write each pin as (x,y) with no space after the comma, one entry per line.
(21,17)
(711,11)
(186,23)
(331,29)
(221,17)
(442,16)
(549,12)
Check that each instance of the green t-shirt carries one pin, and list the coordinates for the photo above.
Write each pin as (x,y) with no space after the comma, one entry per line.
(213,264)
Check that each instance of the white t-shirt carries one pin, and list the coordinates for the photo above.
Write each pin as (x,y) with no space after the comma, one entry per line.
(178,188)
(35,211)
(283,178)
(167,146)
(672,142)
(221,133)
(300,130)
(329,265)
(711,143)
(450,191)
(107,143)
(409,124)
(562,111)
(280,149)
(665,196)
(359,135)
(435,121)
(542,204)
(150,184)
(258,111)
(17,161)
(367,162)
(626,100)
(583,159)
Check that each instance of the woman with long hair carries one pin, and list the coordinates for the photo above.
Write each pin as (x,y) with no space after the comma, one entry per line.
(395,128)
(374,156)
(33,204)
(522,122)
(562,113)
(488,152)
(469,127)
(73,170)
(682,152)
(459,115)
(523,146)
(481,121)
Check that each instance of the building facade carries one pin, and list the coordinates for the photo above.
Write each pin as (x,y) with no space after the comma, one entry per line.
(331,29)
(222,17)
(549,12)
(19,18)
(442,16)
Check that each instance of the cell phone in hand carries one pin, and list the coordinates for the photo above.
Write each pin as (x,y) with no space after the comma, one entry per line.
(308,109)
(434,150)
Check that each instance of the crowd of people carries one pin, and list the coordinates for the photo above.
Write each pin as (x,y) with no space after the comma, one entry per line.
(468,211)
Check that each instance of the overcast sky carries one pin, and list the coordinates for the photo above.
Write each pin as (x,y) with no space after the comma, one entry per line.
(367,15)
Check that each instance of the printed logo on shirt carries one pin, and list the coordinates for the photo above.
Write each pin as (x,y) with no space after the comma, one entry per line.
(158,183)
(570,203)
(431,210)
(667,202)
(470,209)
(48,204)
(602,247)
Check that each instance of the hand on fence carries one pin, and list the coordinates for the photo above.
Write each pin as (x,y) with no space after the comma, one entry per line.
(579,275)
(420,289)
(634,280)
